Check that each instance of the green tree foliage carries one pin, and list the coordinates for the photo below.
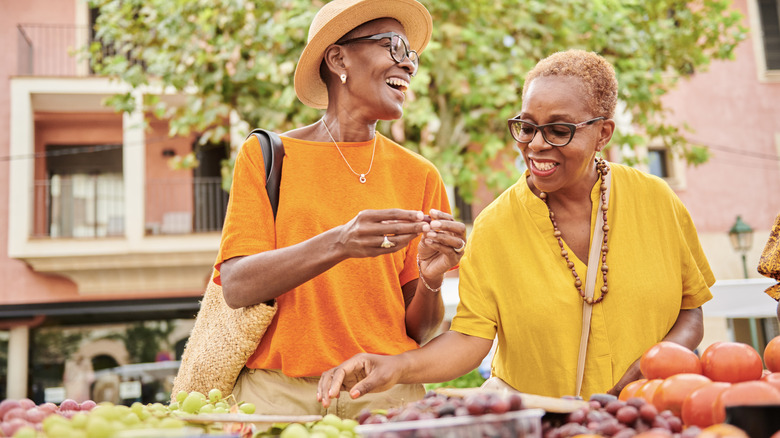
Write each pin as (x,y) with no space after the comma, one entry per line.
(240,55)
(145,339)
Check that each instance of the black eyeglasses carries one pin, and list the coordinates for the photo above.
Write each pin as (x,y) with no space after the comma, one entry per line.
(398,48)
(555,134)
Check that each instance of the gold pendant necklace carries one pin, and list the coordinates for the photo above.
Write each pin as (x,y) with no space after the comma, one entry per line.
(602,169)
(361,176)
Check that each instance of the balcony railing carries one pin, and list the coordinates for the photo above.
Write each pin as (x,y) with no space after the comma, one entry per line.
(93,206)
(55,50)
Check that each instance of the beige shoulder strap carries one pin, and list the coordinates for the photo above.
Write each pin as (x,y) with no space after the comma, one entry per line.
(590,286)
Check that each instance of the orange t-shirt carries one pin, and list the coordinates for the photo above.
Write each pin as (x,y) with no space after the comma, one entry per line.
(356,306)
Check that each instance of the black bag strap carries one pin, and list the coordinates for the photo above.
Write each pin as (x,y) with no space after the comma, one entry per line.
(273,154)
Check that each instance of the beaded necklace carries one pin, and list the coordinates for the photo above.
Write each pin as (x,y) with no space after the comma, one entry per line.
(602,169)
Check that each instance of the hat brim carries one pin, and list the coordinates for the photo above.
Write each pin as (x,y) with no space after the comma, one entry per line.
(412,15)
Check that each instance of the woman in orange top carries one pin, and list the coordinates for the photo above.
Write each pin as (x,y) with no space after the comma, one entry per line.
(350,240)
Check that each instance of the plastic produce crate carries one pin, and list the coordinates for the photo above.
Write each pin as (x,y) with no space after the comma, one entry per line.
(526,423)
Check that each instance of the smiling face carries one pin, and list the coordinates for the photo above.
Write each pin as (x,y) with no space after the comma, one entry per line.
(551,99)
(375,84)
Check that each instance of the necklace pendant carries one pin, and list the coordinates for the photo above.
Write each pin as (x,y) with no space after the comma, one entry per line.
(363,178)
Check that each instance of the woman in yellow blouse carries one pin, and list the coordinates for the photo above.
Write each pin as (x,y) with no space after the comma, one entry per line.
(524,272)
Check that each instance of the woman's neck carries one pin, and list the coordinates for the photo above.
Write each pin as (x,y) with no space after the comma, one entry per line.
(346,128)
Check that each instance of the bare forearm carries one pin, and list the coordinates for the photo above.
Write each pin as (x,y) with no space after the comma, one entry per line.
(446,357)
(424,313)
(262,277)
(688,330)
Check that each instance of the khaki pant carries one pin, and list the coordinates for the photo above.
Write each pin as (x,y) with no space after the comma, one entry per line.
(273,393)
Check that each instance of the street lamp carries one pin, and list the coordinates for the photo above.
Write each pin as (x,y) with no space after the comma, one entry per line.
(741,236)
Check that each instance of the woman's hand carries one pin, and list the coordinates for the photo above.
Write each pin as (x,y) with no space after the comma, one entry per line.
(375,232)
(361,374)
(441,246)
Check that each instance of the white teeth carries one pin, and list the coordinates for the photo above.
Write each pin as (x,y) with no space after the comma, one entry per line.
(544,166)
(398,83)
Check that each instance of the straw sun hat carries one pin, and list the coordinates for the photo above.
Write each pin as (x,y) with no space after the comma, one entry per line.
(335,20)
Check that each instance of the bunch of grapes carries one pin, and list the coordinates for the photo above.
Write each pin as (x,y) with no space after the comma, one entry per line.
(331,426)
(436,405)
(196,403)
(23,419)
(607,416)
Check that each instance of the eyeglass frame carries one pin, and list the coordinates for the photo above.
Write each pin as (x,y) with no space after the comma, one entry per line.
(389,35)
(540,128)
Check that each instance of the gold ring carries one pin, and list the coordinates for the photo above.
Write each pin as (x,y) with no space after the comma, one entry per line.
(387,243)
(460,248)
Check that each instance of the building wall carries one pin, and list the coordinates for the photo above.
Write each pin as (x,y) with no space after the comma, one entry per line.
(738,117)
(18,279)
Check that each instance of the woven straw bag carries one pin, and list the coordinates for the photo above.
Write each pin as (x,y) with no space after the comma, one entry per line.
(769,264)
(220,343)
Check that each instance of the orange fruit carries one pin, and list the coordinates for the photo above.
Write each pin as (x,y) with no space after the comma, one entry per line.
(666,359)
(629,390)
(671,393)
(772,355)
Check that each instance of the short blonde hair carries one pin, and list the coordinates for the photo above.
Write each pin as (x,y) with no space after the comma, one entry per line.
(596,73)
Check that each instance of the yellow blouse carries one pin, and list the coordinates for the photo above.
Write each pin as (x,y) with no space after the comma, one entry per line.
(515,285)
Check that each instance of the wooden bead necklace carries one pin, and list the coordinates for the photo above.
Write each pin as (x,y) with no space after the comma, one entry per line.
(602,168)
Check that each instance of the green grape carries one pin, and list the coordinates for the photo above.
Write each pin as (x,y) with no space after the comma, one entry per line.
(247,408)
(79,420)
(318,434)
(171,423)
(215,395)
(329,430)
(208,408)
(104,411)
(137,407)
(331,419)
(58,429)
(193,402)
(295,430)
(348,424)
(181,395)
(131,418)
(173,406)
(25,432)
(97,427)
(53,420)
(222,405)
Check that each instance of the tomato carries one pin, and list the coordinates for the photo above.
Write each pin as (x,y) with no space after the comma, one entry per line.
(672,391)
(731,362)
(666,359)
(772,355)
(754,392)
(629,390)
(772,379)
(647,391)
(723,431)
(697,406)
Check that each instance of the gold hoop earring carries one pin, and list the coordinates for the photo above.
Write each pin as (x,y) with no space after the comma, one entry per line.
(343,78)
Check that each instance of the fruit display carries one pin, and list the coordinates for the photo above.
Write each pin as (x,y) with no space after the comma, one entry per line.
(608,416)
(679,396)
(729,374)
(480,414)
(181,418)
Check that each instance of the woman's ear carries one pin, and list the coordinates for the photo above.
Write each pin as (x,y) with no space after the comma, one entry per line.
(334,60)
(605,134)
